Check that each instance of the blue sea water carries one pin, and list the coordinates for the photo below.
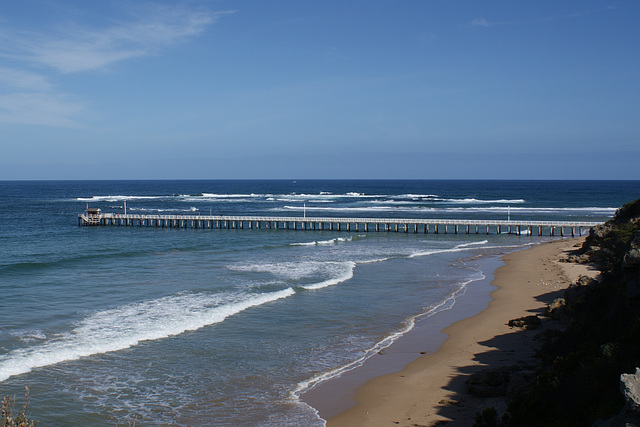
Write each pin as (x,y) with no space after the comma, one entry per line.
(111,325)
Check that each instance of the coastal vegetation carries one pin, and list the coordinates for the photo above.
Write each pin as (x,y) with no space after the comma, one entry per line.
(583,376)
(10,418)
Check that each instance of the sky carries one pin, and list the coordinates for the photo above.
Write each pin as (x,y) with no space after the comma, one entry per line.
(362,89)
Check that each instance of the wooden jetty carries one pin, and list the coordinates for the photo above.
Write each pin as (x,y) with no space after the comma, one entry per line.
(93,217)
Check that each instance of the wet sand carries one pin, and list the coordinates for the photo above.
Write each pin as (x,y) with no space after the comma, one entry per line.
(431,388)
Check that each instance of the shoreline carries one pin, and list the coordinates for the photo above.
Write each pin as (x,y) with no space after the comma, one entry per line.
(431,388)
(336,395)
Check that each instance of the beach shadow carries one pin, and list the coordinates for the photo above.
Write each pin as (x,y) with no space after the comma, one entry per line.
(547,299)
(517,347)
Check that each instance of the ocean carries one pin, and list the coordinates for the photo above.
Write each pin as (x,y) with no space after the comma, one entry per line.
(227,327)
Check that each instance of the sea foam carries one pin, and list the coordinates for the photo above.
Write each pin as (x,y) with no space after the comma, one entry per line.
(333,272)
(343,276)
(126,326)
(458,248)
(324,242)
(445,304)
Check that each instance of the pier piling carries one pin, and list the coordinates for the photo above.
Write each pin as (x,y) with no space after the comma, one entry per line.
(94,217)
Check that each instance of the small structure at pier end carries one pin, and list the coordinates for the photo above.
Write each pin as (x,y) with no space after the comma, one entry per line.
(92,216)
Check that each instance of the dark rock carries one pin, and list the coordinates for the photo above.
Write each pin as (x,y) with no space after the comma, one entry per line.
(577,291)
(632,258)
(630,387)
(579,378)
(583,281)
(553,309)
(629,415)
(526,322)
(576,259)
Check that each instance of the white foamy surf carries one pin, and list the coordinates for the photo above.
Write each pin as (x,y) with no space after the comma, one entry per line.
(346,274)
(334,272)
(126,326)
(446,304)
(457,248)
(324,242)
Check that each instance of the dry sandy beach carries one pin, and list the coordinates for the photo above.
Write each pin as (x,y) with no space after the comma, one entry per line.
(432,388)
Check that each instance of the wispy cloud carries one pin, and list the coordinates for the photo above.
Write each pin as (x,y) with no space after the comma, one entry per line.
(47,109)
(583,13)
(22,79)
(37,56)
(482,22)
(30,98)
(76,48)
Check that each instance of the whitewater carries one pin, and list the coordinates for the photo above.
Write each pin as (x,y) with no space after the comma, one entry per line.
(109,325)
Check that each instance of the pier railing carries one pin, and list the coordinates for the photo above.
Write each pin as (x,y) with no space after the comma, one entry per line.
(406,225)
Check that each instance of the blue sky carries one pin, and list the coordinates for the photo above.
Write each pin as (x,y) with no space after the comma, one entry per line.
(333,89)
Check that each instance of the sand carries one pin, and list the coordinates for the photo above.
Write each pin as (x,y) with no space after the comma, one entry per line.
(432,389)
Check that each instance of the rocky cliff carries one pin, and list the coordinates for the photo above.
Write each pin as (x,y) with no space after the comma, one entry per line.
(588,368)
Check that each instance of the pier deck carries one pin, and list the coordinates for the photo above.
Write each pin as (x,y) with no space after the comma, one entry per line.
(415,225)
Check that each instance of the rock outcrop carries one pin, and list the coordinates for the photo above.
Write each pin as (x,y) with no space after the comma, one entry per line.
(526,322)
(583,377)
(630,387)
(629,415)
